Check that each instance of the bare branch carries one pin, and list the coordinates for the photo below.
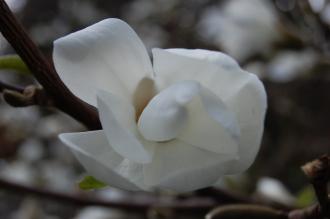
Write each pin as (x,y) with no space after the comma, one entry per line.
(318,172)
(44,72)
(31,95)
(245,211)
(192,205)
(5,86)
(230,197)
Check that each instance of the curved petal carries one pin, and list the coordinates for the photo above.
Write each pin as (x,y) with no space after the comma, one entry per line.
(181,167)
(93,152)
(213,70)
(118,121)
(107,55)
(242,92)
(190,112)
(250,106)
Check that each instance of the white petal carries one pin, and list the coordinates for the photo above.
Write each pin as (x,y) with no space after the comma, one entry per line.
(107,55)
(242,92)
(118,121)
(181,167)
(212,69)
(93,152)
(250,106)
(190,112)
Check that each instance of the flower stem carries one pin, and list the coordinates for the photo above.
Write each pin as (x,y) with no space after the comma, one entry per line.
(44,72)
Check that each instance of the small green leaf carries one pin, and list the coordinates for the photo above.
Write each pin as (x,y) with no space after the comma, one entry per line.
(89,182)
(305,197)
(13,62)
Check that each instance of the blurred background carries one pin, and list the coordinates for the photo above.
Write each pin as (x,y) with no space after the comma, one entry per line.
(285,42)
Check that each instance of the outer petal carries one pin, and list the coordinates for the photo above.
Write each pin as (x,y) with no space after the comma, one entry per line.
(181,167)
(241,91)
(118,121)
(93,152)
(250,106)
(190,112)
(107,55)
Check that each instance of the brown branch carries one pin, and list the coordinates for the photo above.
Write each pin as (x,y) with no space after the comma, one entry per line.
(223,196)
(192,205)
(31,95)
(5,86)
(318,173)
(244,208)
(245,211)
(230,197)
(311,212)
(21,97)
(44,72)
(255,211)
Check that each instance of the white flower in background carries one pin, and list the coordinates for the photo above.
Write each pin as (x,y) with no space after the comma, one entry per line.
(178,124)
(325,14)
(317,5)
(100,213)
(288,65)
(242,28)
(257,67)
(16,5)
(275,190)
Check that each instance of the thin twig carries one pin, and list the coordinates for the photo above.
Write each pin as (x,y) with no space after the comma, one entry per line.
(191,205)
(245,211)
(230,197)
(44,72)
(5,86)
(31,95)
(318,172)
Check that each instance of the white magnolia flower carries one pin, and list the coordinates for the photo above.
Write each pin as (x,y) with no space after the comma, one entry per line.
(288,65)
(275,190)
(180,123)
(242,28)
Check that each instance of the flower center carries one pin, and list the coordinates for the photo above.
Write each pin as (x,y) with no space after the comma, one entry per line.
(184,110)
(144,92)
(166,115)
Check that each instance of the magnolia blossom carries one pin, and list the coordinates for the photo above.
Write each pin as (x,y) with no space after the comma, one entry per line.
(288,65)
(274,189)
(242,28)
(179,123)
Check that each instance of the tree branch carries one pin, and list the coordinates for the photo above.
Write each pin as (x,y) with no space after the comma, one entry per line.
(318,172)
(245,211)
(229,206)
(193,205)
(31,95)
(5,86)
(229,197)
(44,72)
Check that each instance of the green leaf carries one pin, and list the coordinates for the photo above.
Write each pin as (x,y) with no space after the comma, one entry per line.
(305,197)
(13,62)
(89,182)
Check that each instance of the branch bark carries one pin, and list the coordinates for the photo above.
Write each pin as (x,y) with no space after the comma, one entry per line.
(245,211)
(318,173)
(29,96)
(192,205)
(5,86)
(44,72)
(229,197)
